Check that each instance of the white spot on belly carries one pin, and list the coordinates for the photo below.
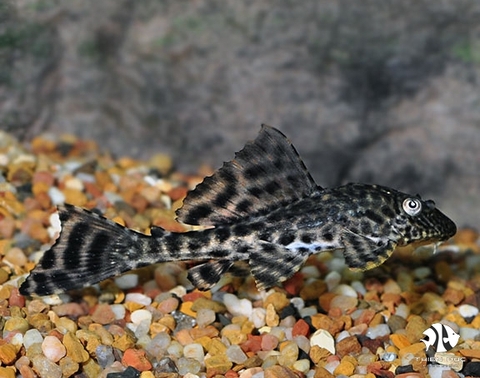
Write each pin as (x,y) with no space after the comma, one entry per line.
(315,247)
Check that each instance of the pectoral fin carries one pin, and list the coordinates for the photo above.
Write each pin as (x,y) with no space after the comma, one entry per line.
(206,275)
(363,253)
(272,264)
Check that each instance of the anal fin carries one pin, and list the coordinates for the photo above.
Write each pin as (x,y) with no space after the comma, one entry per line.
(362,253)
(273,264)
(206,275)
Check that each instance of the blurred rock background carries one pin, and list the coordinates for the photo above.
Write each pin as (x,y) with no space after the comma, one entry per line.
(375,91)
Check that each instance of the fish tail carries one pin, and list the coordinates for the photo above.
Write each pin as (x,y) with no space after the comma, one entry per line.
(89,249)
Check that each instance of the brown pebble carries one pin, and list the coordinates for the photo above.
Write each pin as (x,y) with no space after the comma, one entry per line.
(415,327)
(322,321)
(321,372)
(348,345)
(396,323)
(277,371)
(103,314)
(278,300)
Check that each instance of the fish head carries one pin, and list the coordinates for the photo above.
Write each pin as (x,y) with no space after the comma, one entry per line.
(419,220)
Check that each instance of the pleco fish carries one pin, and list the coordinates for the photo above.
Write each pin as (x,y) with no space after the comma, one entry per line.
(262,208)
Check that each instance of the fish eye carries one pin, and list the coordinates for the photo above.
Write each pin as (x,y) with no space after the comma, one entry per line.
(412,206)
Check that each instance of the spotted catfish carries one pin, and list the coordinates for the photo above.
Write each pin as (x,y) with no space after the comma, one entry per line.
(262,208)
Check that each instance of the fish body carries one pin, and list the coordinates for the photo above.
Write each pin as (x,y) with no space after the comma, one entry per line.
(262,208)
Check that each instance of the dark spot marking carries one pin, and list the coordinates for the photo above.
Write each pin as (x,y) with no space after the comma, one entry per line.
(241,230)
(243,248)
(286,239)
(194,245)
(64,214)
(62,280)
(198,212)
(78,232)
(225,196)
(303,250)
(218,253)
(269,248)
(272,187)
(38,278)
(256,192)
(244,206)
(278,163)
(48,259)
(254,172)
(172,242)
(222,234)
(306,238)
(374,216)
(387,211)
(328,236)
(366,227)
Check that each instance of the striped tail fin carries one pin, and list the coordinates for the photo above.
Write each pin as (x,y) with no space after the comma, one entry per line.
(89,249)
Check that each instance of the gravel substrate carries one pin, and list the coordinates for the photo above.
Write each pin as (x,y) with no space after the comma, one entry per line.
(326,321)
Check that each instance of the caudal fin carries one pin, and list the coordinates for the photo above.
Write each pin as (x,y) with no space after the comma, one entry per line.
(89,249)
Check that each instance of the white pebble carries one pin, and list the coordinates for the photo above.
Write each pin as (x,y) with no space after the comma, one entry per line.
(302,342)
(56,196)
(302,365)
(236,354)
(359,287)
(32,336)
(308,311)
(467,333)
(402,310)
(237,307)
(332,280)
(331,366)
(310,271)
(323,339)
(138,298)
(127,281)
(205,316)
(53,348)
(175,349)
(379,330)
(342,335)
(346,290)
(139,316)
(194,351)
(17,340)
(74,183)
(179,291)
(422,272)
(392,287)
(258,317)
(298,303)
(468,311)
(118,310)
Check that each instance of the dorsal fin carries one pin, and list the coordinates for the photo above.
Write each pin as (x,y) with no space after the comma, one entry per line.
(267,173)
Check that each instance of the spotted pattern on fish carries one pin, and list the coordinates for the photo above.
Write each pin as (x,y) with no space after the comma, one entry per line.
(263,208)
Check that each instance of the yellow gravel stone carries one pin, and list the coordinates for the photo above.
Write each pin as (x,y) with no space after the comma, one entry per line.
(400,341)
(7,372)
(413,348)
(217,364)
(74,347)
(271,318)
(124,342)
(345,368)
(278,300)
(8,353)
